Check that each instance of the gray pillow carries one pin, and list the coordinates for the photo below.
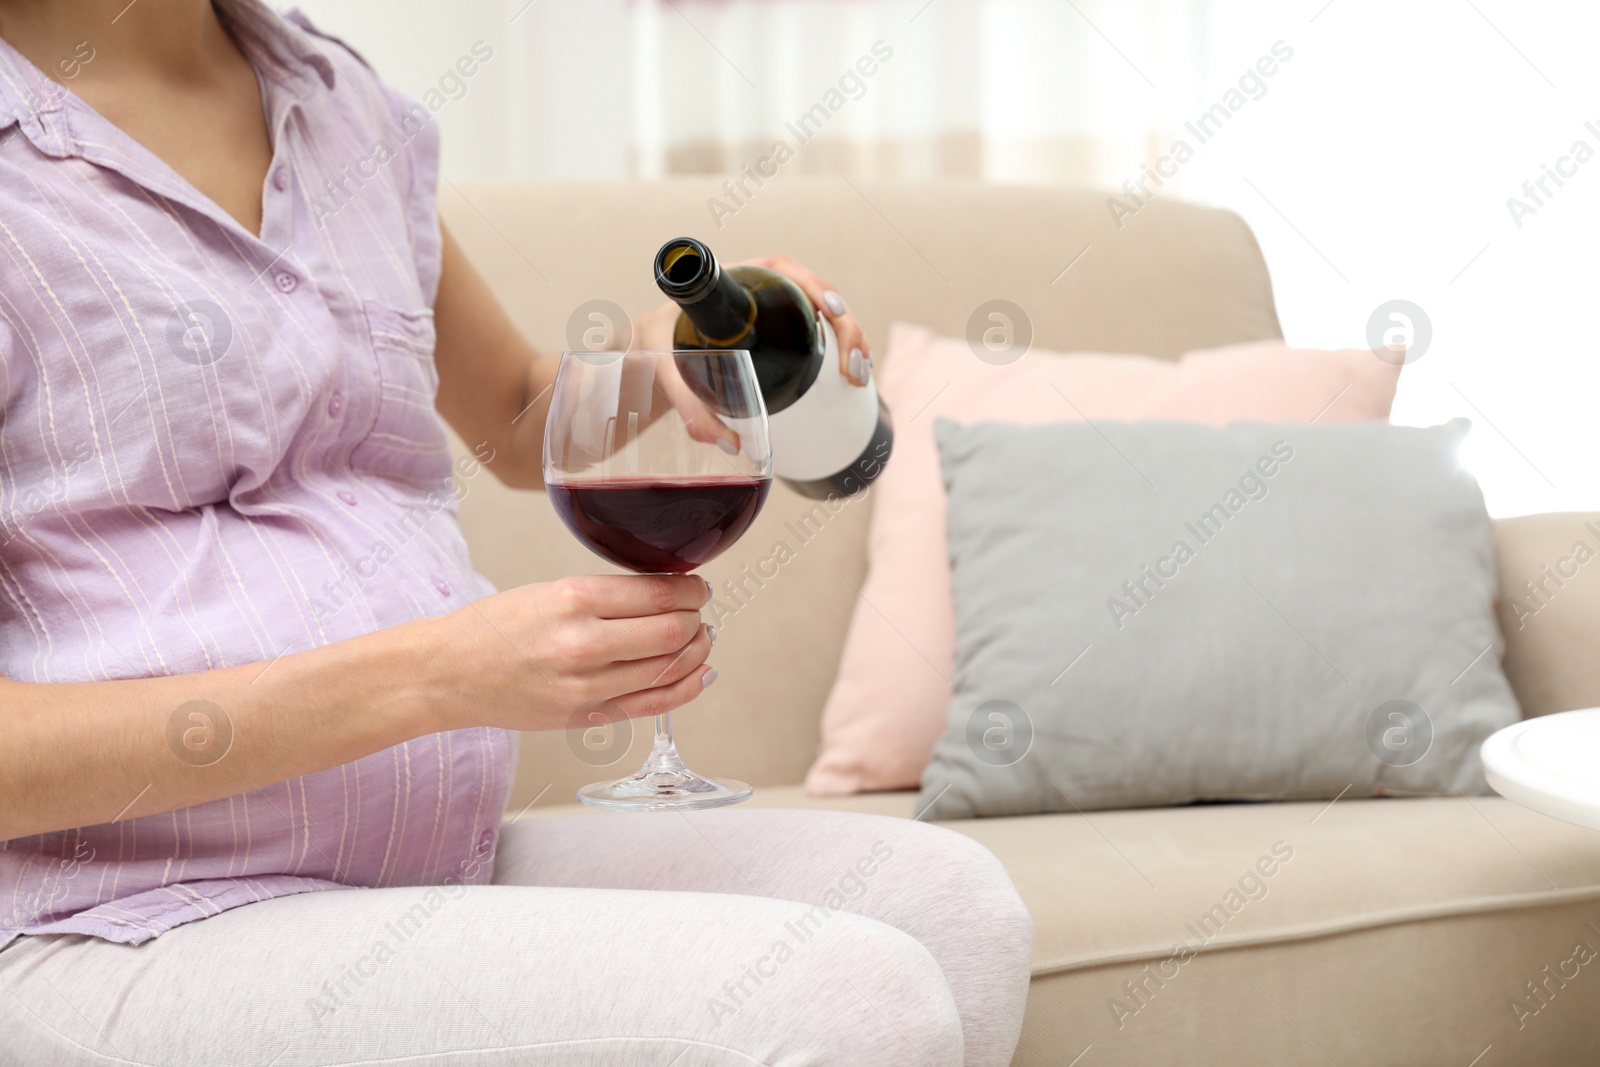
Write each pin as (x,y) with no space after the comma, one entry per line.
(1158,613)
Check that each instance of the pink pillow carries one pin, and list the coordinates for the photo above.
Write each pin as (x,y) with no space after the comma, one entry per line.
(889,701)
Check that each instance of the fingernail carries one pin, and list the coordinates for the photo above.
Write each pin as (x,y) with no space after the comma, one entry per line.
(727,446)
(857,365)
(834,301)
(707,678)
(711,632)
(710,592)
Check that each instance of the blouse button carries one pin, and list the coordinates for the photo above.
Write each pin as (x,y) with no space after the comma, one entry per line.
(280,179)
(348,497)
(286,282)
(441,585)
(335,405)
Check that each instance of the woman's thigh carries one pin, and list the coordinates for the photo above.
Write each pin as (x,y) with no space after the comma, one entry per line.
(480,976)
(942,888)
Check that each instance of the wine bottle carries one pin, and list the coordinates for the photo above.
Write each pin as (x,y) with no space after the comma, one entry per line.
(829,436)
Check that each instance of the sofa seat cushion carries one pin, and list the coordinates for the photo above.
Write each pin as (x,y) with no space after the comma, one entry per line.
(1116,886)
(1387,932)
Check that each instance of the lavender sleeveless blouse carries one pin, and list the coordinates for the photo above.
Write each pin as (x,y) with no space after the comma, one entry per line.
(218,448)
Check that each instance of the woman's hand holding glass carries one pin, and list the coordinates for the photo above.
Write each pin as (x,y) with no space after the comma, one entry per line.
(546,656)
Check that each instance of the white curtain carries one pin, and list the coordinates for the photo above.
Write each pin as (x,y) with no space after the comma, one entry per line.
(1077,91)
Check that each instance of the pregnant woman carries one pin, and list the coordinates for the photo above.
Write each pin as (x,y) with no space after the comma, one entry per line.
(258,712)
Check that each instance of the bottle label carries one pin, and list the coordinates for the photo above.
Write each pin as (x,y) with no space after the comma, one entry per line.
(828,427)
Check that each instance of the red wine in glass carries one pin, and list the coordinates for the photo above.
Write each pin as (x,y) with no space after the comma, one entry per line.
(660,525)
(658,478)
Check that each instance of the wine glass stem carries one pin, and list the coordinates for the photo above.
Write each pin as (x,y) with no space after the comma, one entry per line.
(664,753)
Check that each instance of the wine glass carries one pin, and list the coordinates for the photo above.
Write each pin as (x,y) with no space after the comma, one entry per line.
(658,461)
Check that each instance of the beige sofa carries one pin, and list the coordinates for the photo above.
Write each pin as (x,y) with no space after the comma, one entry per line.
(1401,932)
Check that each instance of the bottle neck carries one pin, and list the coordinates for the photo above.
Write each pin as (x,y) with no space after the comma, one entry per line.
(725,314)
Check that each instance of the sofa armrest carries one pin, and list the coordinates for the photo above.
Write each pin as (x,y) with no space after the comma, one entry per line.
(1549,609)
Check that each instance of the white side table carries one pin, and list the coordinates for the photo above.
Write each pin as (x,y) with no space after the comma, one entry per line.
(1550,764)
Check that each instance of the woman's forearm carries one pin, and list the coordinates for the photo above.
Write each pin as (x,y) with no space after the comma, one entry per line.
(81,754)
(494,387)
(87,753)
(521,466)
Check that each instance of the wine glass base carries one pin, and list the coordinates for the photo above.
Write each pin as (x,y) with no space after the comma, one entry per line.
(662,790)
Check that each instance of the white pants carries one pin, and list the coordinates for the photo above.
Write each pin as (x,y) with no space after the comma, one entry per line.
(662,939)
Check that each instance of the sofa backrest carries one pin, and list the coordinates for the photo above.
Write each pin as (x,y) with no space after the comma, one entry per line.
(1549,609)
(1174,277)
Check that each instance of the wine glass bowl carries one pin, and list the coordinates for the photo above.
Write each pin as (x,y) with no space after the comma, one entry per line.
(659,478)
